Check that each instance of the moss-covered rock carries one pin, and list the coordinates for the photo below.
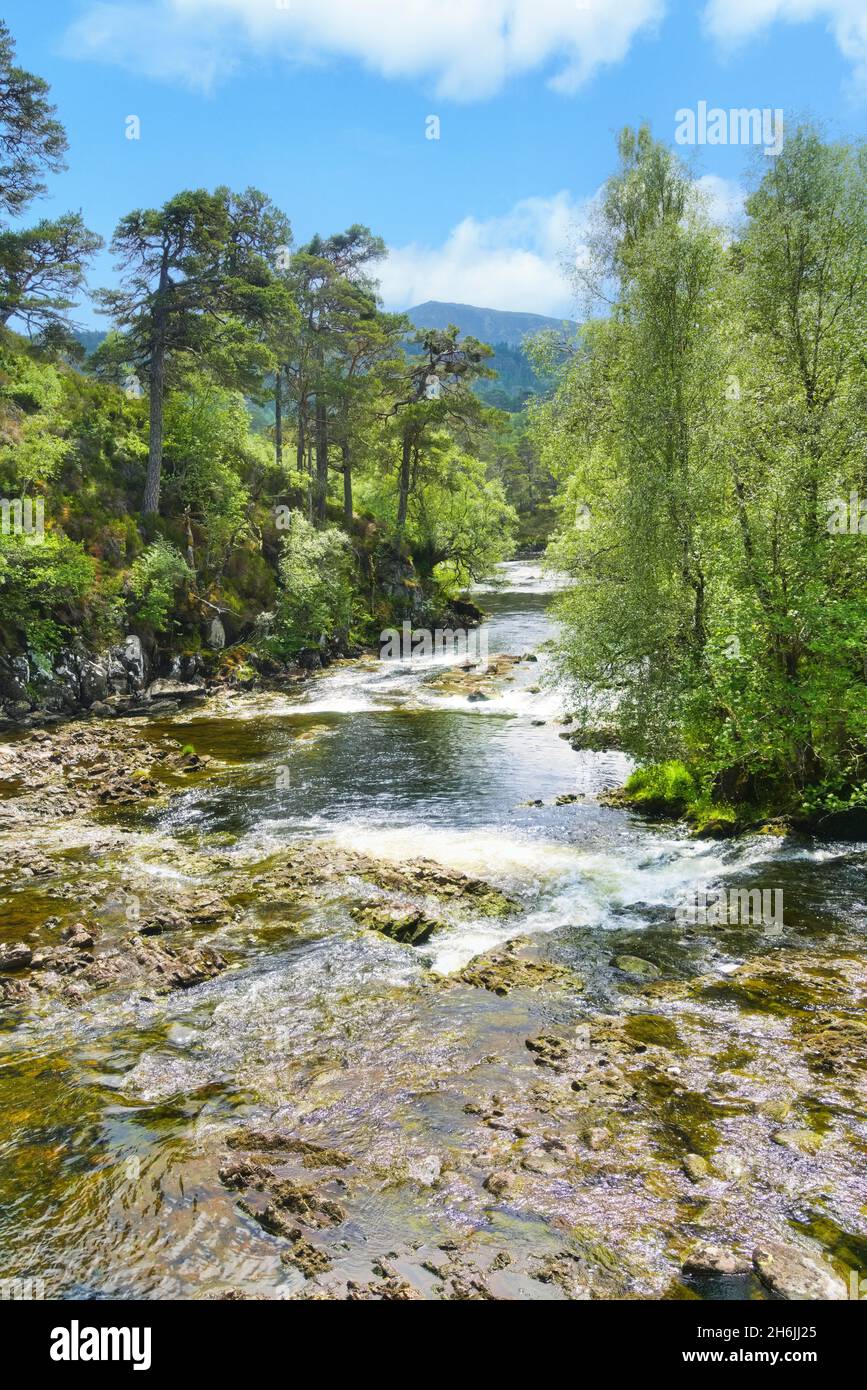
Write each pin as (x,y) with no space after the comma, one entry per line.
(404,923)
(502,971)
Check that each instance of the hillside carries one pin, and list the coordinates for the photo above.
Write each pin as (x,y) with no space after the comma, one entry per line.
(516,381)
(489,325)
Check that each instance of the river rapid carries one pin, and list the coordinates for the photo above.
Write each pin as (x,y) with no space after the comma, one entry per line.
(339,1114)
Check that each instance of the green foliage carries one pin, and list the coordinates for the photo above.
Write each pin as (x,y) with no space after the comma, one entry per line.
(207,447)
(702,432)
(43,583)
(156,575)
(27,384)
(41,267)
(662,789)
(161,477)
(32,141)
(317,597)
(460,524)
(42,270)
(528,483)
(197,290)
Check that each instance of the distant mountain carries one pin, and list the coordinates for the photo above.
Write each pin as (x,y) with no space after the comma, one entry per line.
(516,381)
(90,338)
(489,325)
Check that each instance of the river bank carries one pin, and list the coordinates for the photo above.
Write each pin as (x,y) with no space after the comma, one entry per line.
(359,990)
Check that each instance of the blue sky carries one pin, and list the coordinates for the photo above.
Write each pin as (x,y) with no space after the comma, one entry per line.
(323,104)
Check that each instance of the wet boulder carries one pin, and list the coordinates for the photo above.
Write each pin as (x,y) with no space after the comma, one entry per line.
(711,1259)
(790,1273)
(170,689)
(133,662)
(79,937)
(424,876)
(635,965)
(14,679)
(401,922)
(502,971)
(16,956)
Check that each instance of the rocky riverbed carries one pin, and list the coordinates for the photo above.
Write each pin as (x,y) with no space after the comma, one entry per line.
(364,994)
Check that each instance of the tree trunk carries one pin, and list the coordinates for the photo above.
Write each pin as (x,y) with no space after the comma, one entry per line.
(321,489)
(278,416)
(347,487)
(151,503)
(300,448)
(403,484)
(157,374)
(191,553)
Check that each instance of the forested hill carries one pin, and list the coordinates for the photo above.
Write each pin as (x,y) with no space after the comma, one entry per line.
(488,325)
(516,379)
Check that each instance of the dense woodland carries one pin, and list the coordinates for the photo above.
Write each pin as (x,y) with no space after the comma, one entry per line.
(709,435)
(254,436)
(257,440)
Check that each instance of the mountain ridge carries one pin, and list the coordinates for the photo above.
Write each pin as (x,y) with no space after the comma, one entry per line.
(489,325)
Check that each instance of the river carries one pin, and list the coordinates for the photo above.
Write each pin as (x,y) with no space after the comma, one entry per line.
(467,1163)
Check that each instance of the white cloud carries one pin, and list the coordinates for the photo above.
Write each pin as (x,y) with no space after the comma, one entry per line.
(522,260)
(733,21)
(469,48)
(513,262)
(723,199)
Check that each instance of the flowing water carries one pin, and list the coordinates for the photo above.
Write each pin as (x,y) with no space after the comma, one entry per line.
(115,1113)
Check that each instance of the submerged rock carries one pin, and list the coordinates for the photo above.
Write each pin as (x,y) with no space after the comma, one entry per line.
(284,1203)
(498,1184)
(425,1169)
(635,965)
(544,1164)
(307,1258)
(272,1141)
(389,1290)
(804,1141)
(696,1167)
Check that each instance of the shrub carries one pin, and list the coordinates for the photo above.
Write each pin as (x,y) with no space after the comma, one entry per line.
(664,789)
(39,577)
(317,597)
(156,574)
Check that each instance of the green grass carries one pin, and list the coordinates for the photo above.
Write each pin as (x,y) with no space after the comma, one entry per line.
(663,789)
